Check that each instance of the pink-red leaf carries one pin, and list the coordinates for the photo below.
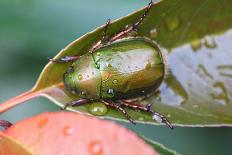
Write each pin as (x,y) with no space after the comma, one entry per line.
(67,133)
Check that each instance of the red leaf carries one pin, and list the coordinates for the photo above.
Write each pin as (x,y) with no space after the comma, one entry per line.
(67,133)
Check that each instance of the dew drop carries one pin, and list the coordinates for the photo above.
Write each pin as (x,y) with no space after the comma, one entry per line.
(140,118)
(109,65)
(196,44)
(98,109)
(97,65)
(67,130)
(153,33)
(83,93)
(209,42)
(98,53)
(126,26)
(169,115)
(73,92)
(95,148)
(111,93)
(157,118)
(172,22)
(80,77)
(115,81)
(42,122)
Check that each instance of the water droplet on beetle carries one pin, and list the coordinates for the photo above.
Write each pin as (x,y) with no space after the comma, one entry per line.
(95,148)
(97,65)
(153,33)
(172,22)
(80,77)
(111,93)
(83,93)
(98,109)
(157,118)
(115,81)
(42,122)
(67,130)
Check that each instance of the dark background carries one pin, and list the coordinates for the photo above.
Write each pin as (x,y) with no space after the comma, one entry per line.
(30,31)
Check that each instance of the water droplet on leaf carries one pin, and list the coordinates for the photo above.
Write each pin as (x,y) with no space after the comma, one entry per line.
(98,109)
(141,118)
(196,44)
(68,130)
(172,22)
(83,93)
(153,33)
(157,118)
(209,42)
(42,122)
(109,65)
(95,148)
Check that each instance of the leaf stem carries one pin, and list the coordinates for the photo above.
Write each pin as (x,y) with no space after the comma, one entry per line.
(18,100)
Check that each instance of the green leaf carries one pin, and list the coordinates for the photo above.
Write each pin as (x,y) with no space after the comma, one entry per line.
(196,37)
(160,147)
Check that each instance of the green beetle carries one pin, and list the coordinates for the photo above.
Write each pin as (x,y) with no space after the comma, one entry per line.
(116,71)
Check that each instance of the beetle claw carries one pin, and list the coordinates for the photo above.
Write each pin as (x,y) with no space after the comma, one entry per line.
(5,124)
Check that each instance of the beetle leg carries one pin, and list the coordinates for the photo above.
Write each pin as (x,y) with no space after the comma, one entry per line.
(104,36)
(75,103)
(5,124)
(65,59)
(119,108)
(134,26)
(103,40)
(155,115)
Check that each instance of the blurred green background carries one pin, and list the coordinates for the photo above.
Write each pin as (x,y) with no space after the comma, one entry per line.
(31,31)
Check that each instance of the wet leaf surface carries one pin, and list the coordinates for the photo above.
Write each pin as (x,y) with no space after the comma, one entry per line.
(195,37)
(70,133)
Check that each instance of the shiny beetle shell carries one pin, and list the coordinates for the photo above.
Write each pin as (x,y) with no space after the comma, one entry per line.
(124,69)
